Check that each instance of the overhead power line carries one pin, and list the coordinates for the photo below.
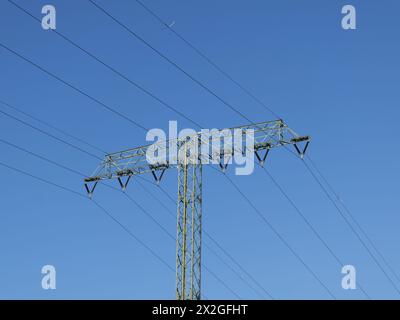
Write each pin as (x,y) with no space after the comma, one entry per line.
(236,110)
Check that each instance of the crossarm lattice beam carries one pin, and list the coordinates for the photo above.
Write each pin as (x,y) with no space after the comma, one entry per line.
(267,135)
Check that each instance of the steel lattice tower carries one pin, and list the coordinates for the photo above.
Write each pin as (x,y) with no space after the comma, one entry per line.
(125,164)
(188,240)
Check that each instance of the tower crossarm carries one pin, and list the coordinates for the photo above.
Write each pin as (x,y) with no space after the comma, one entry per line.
(267,135)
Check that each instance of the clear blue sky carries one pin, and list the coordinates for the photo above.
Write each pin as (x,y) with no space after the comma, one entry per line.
(340,87)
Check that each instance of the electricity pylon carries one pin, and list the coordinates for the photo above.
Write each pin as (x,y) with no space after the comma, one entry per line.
(123,165)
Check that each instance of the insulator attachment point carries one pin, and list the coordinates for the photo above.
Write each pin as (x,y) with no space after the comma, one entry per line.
(297,140)
(153,172)
(261,159)
(223,167)
(124,184)
(91,190)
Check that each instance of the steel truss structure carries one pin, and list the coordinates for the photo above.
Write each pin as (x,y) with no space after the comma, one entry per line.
(123,165)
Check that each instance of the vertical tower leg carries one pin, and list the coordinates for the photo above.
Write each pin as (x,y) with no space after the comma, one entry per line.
(188,243)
